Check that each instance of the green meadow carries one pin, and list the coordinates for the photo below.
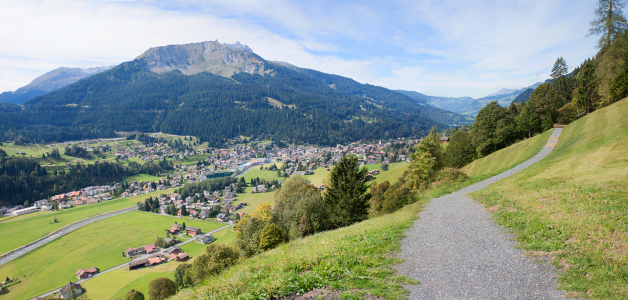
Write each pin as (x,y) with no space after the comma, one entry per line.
(21,232)
(99,244)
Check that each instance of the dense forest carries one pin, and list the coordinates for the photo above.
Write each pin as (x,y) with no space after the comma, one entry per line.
(305,106)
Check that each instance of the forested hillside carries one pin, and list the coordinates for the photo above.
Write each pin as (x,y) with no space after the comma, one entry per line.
(285,103)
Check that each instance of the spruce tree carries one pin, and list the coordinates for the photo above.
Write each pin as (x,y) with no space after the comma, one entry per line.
(528,121)
(346,197)
(609,21)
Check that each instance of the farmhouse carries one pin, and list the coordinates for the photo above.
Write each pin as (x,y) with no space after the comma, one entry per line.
(138,264)
(444,139)
(176,228)
(205,238)
(179,256)
(65,291)
(193,231)
(173,250)
(85,273)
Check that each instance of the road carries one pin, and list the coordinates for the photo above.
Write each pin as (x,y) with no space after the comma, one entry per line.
(162,252)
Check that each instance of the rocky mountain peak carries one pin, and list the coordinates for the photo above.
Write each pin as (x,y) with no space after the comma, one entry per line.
(212,56)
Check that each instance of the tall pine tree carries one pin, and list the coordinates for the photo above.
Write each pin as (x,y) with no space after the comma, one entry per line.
(346,197)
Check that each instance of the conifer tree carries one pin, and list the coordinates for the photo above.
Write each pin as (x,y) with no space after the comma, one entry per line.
(346,196)
(528,121)
(586,94)
(609,21)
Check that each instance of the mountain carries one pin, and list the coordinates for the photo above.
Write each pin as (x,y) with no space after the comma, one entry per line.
(503,92)
(523,96)
(51,81)
(216,91)
(466,105)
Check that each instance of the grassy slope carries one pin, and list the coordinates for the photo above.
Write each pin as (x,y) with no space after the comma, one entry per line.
(574,202)
(99,244)
(508,157)
(354,259)
(254,199)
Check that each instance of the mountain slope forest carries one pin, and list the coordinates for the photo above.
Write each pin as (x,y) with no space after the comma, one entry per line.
(175,89)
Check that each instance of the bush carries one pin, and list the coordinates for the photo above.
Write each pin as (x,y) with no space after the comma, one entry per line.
(134,295)
(215,259)
(387,198)
(161,288)
(299,208)
(182,276)
(271,236)
(384,167)
(449,174)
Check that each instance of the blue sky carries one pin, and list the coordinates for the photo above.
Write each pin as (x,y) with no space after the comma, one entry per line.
(440,48)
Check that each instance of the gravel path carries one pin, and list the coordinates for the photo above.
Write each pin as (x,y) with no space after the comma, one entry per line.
(456,251)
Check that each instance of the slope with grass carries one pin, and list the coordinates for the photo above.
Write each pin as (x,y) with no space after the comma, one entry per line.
(99,244)
(395,171)
(355,260)
(508,157)
(572,205)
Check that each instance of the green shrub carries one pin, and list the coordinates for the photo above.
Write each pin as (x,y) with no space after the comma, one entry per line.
(271,236)
(161,288)
(134,295)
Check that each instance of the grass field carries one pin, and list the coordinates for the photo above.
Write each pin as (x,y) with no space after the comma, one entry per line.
(572,205)
(26,216)
(254,199)
(317,178)
(143,178)
(18,233)
(395,171)
(256,172)
(508,157)
(99,244)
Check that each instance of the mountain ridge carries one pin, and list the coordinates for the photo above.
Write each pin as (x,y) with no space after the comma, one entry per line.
(49,81)
(224,94)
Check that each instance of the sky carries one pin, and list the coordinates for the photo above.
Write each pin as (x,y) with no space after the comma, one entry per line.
(450,48)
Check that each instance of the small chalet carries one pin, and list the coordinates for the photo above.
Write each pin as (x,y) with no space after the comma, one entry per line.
(444,139)
(193,231)
(150,248)
(65,290)
(86,273)
(176,228)
(173,250)
(179,256)
(205,238)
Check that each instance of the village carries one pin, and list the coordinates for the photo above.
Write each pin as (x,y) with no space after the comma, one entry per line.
(235,161)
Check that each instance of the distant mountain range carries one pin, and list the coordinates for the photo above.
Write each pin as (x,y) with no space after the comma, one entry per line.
(219,91)
(51,81)
(469,106)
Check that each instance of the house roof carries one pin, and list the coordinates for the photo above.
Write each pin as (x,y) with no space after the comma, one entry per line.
(129,249)
(444,138)
(155,260)
(66,288)
(192,229)
(183,255)
(150,248)
(138,262)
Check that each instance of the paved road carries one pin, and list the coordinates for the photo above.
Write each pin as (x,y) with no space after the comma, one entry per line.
(5,258)
(456,251)
(162,251)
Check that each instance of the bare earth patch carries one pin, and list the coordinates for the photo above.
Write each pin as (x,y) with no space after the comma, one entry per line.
(324,294)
